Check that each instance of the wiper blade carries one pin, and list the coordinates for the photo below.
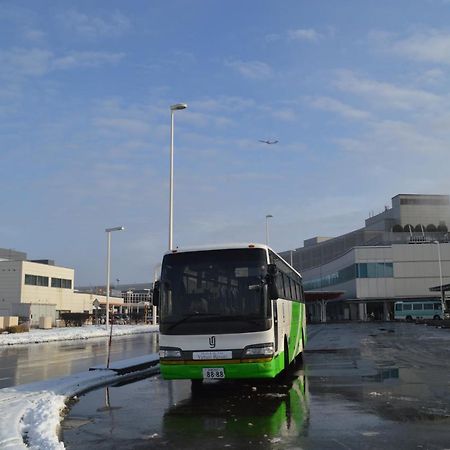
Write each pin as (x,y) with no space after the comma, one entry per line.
(189,316)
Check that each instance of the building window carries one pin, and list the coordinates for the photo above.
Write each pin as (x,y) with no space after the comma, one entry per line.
(36,280)
(375,270)
(61,283)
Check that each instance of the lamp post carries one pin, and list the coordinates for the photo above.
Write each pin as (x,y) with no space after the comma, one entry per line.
(440,275)
(268,216)
(108,268)
(173,108)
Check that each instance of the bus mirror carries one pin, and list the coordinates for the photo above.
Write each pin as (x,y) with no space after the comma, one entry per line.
(272,270)
(271,281)
(156,294)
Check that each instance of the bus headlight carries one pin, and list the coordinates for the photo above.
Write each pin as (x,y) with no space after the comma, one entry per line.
(169,353)
(261,350)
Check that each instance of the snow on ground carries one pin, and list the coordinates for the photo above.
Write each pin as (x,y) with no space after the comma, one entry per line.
(34,411)
(36,336)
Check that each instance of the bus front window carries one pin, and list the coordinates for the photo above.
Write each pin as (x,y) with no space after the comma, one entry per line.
(214,291)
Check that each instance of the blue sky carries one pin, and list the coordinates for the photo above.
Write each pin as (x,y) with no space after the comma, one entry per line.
(356,92)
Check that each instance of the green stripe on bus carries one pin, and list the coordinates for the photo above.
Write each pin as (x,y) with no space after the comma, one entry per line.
(295,334)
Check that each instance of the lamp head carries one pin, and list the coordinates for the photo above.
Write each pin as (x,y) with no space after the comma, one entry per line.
(178,106)
(114,229)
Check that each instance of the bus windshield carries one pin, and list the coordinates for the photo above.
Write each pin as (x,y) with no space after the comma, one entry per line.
(214,291)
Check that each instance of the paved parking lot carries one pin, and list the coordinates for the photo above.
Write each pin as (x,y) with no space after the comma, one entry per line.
(362,386)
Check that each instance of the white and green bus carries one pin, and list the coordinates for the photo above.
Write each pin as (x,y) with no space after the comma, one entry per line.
(229,312)
(420,308)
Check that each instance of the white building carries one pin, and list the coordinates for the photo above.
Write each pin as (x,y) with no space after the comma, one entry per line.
(31,289)
(399,255)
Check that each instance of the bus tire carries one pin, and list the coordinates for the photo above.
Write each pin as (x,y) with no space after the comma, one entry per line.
(408,319)
(436,317)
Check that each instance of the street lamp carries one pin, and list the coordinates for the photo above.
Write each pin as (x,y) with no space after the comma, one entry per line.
(108,268)
(173,108)
(440,275)
(268,216)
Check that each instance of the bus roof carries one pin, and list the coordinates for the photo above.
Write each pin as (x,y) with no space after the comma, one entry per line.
(219,247)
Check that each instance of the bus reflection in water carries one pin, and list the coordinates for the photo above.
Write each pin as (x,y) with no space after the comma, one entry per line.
(240,413)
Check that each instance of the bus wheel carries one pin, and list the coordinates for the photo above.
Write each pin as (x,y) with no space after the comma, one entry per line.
(436,317)
(408,318)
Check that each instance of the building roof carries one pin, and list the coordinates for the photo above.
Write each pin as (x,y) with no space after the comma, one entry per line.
(444,287)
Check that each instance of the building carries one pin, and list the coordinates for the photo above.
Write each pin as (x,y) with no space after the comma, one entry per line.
(34,289)
(400,254)
(137,297)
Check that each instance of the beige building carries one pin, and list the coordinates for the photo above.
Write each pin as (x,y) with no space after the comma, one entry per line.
(31,289)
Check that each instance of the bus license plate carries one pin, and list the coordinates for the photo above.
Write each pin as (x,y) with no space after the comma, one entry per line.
(216,373)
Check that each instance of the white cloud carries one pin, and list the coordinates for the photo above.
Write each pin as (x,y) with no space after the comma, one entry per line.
(285,114)
(25,62)
(256,70)
(303,34)
(86,59)
(425,46)
(332,105)
(431,46)
(34,35)
(111,25)
(132,126)
(223,103)
(35,62)
(386,95)
(273,37)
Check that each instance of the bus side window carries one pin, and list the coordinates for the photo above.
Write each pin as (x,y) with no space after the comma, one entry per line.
(288,287)
(406,307)
(437,306)
(398,307)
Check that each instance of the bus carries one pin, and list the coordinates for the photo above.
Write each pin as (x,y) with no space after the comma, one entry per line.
(423,308)
(229,312)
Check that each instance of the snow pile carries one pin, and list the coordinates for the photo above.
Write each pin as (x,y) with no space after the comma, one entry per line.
(32,412)
(41,420)
(36,336)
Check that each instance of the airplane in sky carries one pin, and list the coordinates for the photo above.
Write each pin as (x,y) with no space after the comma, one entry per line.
(268,141)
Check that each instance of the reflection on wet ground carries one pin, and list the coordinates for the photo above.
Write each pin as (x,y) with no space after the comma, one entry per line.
(22,364)
(363,386)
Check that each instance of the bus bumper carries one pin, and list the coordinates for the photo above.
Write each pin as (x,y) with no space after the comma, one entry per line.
(187,370)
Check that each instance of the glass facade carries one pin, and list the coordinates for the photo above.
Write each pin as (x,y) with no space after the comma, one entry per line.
(360,270)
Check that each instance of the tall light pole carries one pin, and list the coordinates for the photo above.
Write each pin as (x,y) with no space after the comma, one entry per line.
(173,108)
(269,216)
(440,275)
(108,268)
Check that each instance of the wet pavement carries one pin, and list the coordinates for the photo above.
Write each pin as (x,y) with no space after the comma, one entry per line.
(362,386)
(35,362)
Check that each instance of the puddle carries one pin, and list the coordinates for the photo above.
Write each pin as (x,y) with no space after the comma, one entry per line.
(72,423)
(382,375)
